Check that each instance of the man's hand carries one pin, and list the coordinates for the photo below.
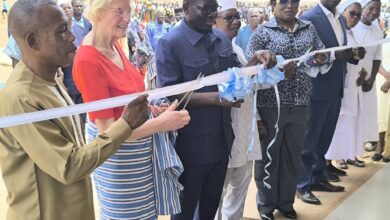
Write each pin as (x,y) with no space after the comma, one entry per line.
(385,87)
(236,104)
(171,119)
(288,69)
(358,53)
(343,55)
(136,112)
(265,57)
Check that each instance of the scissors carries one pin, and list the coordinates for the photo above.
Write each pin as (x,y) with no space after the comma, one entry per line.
(304,57)
(188,94)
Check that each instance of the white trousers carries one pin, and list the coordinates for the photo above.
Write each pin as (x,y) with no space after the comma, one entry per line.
(234,192)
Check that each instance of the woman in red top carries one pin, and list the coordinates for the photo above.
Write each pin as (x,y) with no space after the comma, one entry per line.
(124,183)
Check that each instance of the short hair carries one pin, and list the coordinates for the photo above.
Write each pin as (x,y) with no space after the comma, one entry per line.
(252,10)
(25,15)
(95,9)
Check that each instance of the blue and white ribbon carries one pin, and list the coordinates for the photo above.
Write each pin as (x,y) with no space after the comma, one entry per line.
(239,86)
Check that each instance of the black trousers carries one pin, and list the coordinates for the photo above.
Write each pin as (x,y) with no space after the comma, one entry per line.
(203,184)
(285,152)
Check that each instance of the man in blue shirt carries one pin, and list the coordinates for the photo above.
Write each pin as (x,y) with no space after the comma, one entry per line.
(156,30)
(78,18)
(204,145)
(244,34)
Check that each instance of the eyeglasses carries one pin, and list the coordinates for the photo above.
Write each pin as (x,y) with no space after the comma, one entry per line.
(285,2)
(119,12)
(355,14)
(230,18)
(207,10)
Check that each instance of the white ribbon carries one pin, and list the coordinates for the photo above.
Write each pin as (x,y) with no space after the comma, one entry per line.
(214,79)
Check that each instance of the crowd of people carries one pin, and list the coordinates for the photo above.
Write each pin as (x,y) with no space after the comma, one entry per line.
(193,155)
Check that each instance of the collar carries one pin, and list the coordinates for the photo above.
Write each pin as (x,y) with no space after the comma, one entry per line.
(329,13)
(80,21)
(299,24)
(193,36)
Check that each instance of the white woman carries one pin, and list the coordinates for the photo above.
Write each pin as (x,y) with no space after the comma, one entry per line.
(125,182)
(347,140)
(366,31)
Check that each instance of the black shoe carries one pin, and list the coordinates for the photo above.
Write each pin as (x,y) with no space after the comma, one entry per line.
(267,216)
(331,177)
(336,171)
(376,157)
(308,197)
(386,159)
(325,186)
(290,214)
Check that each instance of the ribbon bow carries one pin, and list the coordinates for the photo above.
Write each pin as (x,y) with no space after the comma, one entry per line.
(238,87)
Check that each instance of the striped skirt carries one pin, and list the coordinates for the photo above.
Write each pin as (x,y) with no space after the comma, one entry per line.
(124,183)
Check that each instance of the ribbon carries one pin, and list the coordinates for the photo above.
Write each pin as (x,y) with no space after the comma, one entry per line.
(238,87)
(271,76)
(214,79)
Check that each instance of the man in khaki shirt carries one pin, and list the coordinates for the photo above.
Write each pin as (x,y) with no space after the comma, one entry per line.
(45,165)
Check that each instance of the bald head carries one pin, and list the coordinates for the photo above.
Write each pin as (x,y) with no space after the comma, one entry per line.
(25,16)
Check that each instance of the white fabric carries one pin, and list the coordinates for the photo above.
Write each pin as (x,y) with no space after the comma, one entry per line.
(347,140)
(241,123)
(234,192)
(227,4)
(383,104)
(345,4)
(364,33)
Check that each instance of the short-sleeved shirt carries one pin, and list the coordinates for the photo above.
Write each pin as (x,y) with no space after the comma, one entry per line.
(181,55)
(97,77)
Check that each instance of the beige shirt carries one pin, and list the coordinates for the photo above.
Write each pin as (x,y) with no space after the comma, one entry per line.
(45,171)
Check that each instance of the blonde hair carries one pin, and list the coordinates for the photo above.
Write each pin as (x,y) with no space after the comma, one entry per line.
(95,9)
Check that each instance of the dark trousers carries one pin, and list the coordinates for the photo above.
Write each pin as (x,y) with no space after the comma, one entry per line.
(322,120)
(202,183)
(285,153)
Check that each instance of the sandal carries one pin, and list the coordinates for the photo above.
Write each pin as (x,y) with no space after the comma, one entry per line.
(356,163)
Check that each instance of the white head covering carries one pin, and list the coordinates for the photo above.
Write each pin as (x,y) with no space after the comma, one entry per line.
(227,4)
(345,4)
(364,2)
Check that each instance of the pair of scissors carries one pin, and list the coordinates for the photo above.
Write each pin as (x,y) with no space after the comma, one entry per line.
(187,95)
(304,57)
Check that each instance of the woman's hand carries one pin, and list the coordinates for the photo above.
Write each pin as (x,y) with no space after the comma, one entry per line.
(320,58)
(158,110)
(368,84)
(288,69)
(171,119)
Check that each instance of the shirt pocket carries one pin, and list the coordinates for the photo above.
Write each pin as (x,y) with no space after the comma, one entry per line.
(193,67)
(226,58)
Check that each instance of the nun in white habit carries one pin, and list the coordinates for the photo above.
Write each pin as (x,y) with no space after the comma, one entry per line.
(347,140)
(366,31)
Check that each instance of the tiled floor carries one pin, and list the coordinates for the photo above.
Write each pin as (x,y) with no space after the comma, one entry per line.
(370,201)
